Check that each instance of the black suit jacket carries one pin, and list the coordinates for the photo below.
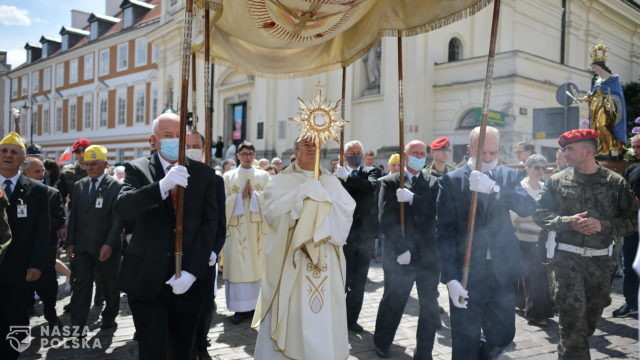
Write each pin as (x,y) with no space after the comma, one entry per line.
(149,259)
(493,229)
(419,220)
(57,220)
(30,235)
(91,227)
(363,188)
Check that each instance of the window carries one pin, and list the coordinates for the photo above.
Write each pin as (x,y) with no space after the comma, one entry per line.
(72,117)
(88,67)
(282,129)
(59,75)
(87,113)
(35,81)
(123,56)
(45,119)
(104,62)
(25,85)
(141,52)
(140,107)
(58,119)
(154,103)
(73,71)
(455,49)
(103,112)
(46,79)
(154,53)
(122,108)
(14,87)
(34,120)
(128,17)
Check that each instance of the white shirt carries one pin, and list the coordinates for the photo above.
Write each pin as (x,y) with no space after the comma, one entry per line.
(98,182)
(14,181)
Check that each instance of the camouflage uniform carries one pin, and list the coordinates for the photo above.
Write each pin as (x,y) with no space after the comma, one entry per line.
(581,284)
(69,176)
(431,169)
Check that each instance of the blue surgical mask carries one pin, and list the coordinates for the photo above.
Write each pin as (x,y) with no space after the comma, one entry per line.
(354,161)
(416,163)
(169,148)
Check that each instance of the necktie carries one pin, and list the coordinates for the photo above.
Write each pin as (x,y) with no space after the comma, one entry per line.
(7,188)
(414,178)
(92,189)
(354,172)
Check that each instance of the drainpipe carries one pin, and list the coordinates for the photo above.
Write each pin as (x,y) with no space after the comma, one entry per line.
(563,30)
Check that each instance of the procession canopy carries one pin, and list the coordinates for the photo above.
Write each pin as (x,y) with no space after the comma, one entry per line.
(293,38)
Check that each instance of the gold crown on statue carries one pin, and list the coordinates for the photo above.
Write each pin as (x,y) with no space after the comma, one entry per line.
(599,53)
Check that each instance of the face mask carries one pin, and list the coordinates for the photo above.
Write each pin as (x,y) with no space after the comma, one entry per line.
(194,154)
(354,160)
(169,148)
(233,167)
(416,163)
(486,167)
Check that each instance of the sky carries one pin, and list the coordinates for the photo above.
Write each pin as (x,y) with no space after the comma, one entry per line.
(27,20)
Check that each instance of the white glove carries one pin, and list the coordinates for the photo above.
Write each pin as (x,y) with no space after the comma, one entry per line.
(182,284)
(404,258)
(178,175)
(213,258)
(480,182)
(341,173)
(313,189)
(458,294)
(404,195)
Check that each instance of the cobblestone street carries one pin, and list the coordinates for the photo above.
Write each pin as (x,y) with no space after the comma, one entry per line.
(614,338)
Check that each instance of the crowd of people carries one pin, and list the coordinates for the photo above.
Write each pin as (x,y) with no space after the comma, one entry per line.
(293,249)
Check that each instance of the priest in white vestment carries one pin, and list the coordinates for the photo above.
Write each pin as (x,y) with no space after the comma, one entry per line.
(301,312)
(246,230)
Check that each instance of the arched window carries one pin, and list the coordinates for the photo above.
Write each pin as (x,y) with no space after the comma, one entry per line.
(455,49)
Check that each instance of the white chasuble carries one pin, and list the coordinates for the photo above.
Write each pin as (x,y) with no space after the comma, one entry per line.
(301,312)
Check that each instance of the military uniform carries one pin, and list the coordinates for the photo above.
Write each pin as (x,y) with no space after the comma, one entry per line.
(581,266)
(431,169)
(69,176)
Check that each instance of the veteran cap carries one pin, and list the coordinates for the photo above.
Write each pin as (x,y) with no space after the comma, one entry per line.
(13,139)
(574,136)
(440,143)
(80,145)
(394,159)
(95,152)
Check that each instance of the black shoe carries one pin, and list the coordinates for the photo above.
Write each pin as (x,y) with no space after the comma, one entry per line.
(67,308)
(382,353)
(237,318)
(108,324)
(355,327)
(54,323)
(625,311)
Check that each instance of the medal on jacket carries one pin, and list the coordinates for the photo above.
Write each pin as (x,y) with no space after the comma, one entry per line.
(99,202)
(22,209)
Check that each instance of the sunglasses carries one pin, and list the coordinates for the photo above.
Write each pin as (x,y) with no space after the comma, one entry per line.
(539,168)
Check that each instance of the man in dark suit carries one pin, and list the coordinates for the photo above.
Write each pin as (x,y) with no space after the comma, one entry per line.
(412,257)
(362,184)
(26,255)
(94,238)
(488,302)
(47,285)
(165,307)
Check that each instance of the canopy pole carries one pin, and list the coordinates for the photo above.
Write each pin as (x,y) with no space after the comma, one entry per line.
(342,111)
(401,127)
(483,131)
(208,126)
(184,97)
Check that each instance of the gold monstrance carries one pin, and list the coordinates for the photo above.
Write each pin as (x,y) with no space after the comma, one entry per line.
(320,122)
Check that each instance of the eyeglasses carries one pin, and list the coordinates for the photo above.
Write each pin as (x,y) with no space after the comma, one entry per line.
(539,168)
(246,154)
(350,153)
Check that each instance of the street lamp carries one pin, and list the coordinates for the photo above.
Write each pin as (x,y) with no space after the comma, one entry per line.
(16,118)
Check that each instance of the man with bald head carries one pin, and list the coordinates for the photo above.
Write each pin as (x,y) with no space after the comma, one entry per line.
(410,257)
(487,305)
(166,308)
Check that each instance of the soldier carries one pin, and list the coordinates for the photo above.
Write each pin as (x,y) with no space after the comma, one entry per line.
(74,172)
(441,151)
(587,206)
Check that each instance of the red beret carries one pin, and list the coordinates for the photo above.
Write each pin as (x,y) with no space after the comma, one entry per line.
(573,136)
(440,143)
(80,145)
